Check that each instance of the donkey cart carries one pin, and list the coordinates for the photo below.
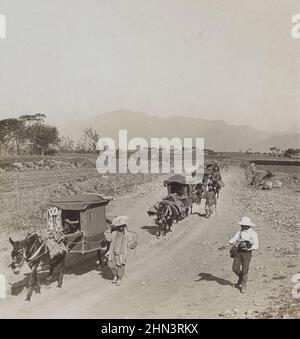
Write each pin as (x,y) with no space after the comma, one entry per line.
(75,224)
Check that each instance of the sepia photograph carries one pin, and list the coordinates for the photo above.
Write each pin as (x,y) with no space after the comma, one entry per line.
(149,162)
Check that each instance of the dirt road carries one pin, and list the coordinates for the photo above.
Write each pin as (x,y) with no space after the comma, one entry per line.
(183,275)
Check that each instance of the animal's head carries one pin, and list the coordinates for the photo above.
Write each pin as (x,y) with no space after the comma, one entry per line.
(215,176)
(161,213)
(17,256)
(161,220)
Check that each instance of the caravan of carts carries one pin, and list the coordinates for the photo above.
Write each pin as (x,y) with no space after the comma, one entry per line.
(184,191)
(78,223)
(82,218)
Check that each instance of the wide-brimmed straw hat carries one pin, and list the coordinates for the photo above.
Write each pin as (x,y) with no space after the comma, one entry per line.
(246,221)
(120,221)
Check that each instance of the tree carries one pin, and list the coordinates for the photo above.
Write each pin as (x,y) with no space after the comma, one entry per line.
(42,137)
(90,139)
(11,131)
(208,151)
(66,145)
(290,152)
(32,119)
(15,131)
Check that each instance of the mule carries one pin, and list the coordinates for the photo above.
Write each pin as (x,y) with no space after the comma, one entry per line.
(33,250)
(164,220)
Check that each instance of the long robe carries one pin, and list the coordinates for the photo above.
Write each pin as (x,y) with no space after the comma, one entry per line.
(118,247)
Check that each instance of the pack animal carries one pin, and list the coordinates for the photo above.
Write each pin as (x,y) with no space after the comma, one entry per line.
(33,250)
(164,219)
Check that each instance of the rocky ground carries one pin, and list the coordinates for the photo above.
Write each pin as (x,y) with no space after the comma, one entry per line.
(280,207)
(45,165)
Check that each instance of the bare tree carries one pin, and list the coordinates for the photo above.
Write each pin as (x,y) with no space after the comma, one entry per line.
(67,144)
(89,139)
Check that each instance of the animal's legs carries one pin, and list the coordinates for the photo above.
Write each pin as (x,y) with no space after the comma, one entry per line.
(49,278)
(159,226)
(99,257)
(61,272)
(36,283)
(32,282)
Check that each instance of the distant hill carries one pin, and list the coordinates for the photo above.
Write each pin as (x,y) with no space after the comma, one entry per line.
(218,135)
(283,142)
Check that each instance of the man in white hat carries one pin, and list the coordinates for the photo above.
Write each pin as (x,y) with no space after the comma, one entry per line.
(246,240)
(117,254)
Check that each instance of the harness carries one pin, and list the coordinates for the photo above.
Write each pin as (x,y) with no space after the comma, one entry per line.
(29,259)
(36,254)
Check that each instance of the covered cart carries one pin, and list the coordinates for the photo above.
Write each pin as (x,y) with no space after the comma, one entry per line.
(183,186)
(82,219)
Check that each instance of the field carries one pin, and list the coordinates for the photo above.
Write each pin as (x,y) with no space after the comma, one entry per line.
(289,170)
(174,276)
(24,195)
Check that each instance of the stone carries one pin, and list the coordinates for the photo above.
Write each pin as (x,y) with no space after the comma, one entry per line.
(18,166)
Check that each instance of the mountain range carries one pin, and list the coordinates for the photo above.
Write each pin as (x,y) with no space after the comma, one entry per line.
(218,135)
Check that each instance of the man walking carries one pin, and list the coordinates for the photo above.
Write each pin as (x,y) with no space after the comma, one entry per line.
(211,201)
(120,240)
(245,240)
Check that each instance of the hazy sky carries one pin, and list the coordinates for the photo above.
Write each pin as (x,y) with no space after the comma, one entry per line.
(233,60)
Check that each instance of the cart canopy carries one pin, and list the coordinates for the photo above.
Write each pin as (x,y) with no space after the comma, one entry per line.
(79,202)
(181,179)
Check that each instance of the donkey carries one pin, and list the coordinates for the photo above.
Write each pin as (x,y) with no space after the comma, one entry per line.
(164,220)
(34,251)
